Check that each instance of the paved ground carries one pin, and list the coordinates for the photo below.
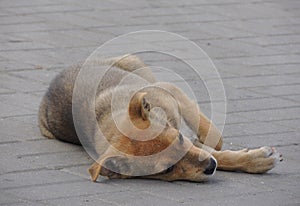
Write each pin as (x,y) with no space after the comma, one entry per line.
(255,45)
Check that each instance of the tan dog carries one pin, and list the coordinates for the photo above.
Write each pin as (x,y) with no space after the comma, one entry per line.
(56,121)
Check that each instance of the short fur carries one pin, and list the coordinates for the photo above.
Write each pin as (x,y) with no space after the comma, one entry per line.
(56,121)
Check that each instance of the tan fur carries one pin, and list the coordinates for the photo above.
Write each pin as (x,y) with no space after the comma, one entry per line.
(55,121)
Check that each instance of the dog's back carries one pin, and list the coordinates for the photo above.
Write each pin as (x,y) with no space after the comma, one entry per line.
(55,113)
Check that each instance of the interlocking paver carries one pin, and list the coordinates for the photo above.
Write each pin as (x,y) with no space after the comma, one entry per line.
(254,44)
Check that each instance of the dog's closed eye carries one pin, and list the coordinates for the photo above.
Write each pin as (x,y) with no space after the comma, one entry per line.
(180,138)
(170,169)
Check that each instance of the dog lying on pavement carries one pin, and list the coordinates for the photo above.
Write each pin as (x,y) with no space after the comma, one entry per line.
(196,164)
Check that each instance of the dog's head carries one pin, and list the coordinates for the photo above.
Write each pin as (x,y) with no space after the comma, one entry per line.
(182,161)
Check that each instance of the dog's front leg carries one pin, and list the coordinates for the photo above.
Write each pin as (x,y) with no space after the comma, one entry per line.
(251,161)
(207,132)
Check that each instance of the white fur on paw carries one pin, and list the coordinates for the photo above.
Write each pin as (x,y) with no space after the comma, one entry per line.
(267,150)
(271,152)
(262,160)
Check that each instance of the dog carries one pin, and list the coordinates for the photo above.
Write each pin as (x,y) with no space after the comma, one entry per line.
(56,120)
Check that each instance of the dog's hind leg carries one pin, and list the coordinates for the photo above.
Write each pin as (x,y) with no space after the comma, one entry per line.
(132,63)
(43,125)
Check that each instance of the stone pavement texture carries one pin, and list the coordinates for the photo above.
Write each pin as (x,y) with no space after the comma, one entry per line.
(255,45)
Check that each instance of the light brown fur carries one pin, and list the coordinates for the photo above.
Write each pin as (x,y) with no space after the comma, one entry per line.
(56,121)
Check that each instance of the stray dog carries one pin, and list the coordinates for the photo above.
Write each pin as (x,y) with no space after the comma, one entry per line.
(56,121)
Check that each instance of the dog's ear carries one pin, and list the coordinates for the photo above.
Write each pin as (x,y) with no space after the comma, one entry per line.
(94,171)
(112,167)
(139,107)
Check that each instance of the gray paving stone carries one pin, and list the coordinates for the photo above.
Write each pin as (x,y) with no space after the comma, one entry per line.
(56,38)
(5,13)
(267,41)
(76,18)
(201,192)
(91,36)
(50,8)
(64,190)
(63,59)
(12,38)
(11,110)
(11,162)
(34,58)
(236,118)
(39,75)
(28,148)
(237,48)
(274,198)
(295,98)
(5,91)
(268,60)
(254,44)
(242,70)
(28,203)
(258,104)
(288,48)
(284,90)
(248,10)
(4,20)
(27,102)
(88,200)
(254,128)
(9,65)
(19,84)
(257,27)
(36,178)
(12,46)
(233,93)
(248,82)
(8,3)
(292,123)
(9,199)
(274,114)
(25,128)
(218,28)
(124,198)
(81,171)
(259,140)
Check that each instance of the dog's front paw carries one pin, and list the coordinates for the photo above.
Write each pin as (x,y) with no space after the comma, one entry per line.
(260,160)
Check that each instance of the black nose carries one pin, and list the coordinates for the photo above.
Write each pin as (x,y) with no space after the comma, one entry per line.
(211,168)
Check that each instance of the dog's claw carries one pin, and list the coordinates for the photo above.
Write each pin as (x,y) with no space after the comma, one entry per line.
(276,155)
